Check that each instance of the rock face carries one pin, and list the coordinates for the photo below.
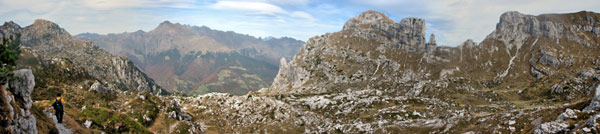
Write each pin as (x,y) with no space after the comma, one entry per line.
(18,101)
(408,34)
(53,44)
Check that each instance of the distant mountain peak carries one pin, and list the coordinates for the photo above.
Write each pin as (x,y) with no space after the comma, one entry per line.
(87,35)
(268,38)
(166,22)
(41,27)
(11,24)
(169,27)
(42,23)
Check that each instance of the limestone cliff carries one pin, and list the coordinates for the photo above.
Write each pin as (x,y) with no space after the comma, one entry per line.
(16,104)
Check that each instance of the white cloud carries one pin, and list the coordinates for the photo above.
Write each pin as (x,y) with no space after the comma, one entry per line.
(262,8)
(291,2)
(255,7)
(112,4)
(304,15)
(34,6)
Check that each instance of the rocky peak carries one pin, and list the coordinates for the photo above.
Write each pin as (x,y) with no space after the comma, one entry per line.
(172,28)
(46,29)
(369,17)
(510,18)
(42,24)
(10,28)
(408,34)
(11,24)
(431,45)
(468,44)
(166,23)
(432,39)
(514,27)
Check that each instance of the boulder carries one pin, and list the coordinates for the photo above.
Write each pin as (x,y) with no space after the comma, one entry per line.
(101,89)
(552,127)
(586,74)
(595,104)
(568,114)
(23,122)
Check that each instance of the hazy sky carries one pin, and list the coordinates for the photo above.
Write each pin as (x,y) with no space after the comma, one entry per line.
(452,21)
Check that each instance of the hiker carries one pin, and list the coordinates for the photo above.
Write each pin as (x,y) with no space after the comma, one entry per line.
(58,108)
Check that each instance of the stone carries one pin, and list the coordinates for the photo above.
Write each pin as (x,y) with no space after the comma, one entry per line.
(551,127)
(586,74)
(101,89)
(568,114)
(550,59)
(23,86)
(591,122)
(587,130)
(23,122)
(87,123)
(556,88)
(595,103)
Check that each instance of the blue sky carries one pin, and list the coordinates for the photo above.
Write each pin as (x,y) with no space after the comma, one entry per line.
(452,21)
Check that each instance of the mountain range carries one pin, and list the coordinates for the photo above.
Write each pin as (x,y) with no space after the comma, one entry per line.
(197,60)
(532,74)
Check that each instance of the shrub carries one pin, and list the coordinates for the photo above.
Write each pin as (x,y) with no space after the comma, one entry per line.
(9,54)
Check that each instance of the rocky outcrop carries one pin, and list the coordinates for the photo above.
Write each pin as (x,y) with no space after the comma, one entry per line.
(552,128)
(18,102)
(101,89)
(177,113)
(595,103)
(408,34)
(432,44)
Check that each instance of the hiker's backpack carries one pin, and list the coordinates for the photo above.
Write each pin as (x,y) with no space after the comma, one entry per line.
(58,106)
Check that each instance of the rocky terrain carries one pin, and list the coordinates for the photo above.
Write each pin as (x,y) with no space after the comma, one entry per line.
(103,93)
(50,44)
(198,60)
(533,74)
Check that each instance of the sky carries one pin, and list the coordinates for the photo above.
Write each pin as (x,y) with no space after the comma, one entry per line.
(452,21)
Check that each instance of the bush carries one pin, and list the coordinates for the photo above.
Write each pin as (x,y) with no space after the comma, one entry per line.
(9,54)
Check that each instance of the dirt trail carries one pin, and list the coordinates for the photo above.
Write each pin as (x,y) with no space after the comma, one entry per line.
(61,128)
